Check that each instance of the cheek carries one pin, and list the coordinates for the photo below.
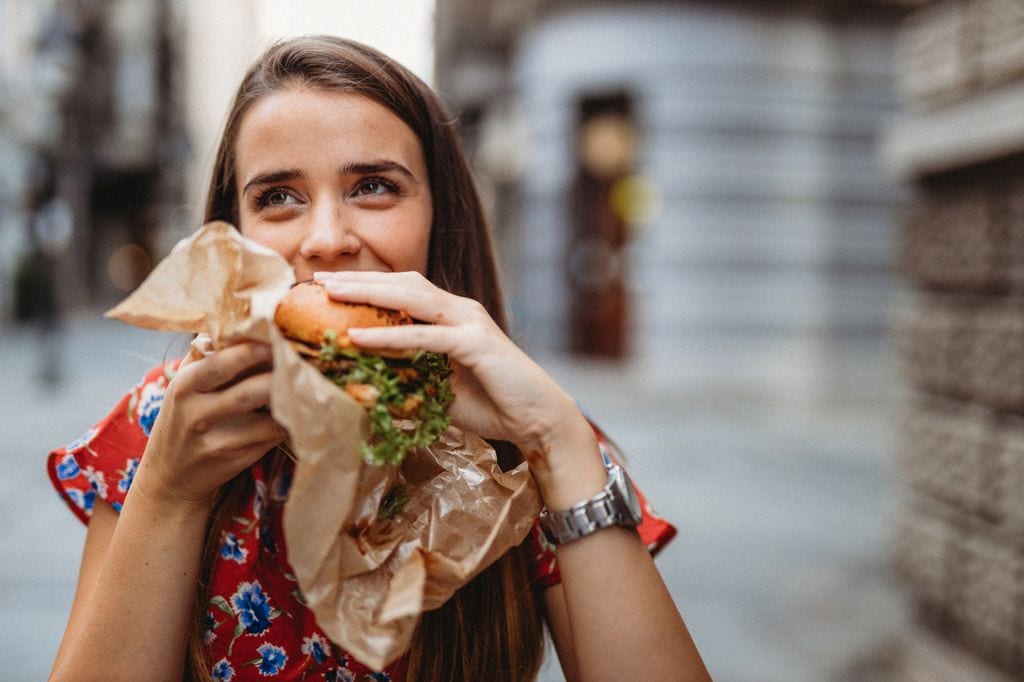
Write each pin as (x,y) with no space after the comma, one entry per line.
(278,240)
(402,250)
(402,240)
(418,258)
(416,244)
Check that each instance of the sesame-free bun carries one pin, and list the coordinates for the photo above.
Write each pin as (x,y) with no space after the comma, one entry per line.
(306,313)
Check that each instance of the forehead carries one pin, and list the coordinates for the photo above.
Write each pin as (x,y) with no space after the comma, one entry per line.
(301,125)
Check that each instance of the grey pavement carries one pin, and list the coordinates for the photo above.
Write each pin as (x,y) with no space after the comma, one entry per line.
(781,499)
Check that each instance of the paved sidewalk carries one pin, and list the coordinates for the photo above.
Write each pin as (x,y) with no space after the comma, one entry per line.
(779,567)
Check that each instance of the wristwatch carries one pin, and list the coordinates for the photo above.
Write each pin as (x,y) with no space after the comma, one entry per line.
(616,505)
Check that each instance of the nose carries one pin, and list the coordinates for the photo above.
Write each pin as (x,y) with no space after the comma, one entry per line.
(331,235)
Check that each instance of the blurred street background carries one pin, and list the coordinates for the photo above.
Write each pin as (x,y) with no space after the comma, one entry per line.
(774,249)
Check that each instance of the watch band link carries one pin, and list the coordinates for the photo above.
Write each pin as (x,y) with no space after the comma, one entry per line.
(587,517)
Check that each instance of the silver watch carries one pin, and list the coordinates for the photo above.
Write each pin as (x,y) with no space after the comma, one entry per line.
(616,505)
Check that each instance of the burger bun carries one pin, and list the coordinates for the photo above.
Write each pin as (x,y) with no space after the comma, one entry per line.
(306,314)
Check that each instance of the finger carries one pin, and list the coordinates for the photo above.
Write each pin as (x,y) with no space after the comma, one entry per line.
(408,291)
(386,289)
(225,366)
(247,395)
(253,431)
(454,341)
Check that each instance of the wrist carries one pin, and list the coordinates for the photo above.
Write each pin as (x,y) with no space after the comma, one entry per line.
(616,505)
(567,467)
(148,489)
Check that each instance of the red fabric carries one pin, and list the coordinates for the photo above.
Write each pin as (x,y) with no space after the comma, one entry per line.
(257,625)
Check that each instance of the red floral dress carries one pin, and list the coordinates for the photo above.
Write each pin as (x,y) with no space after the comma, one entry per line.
(257,625)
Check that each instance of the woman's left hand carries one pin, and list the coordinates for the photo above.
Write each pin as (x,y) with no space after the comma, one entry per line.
(500,393)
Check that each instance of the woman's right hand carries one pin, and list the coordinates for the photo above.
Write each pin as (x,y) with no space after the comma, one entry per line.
(212,425)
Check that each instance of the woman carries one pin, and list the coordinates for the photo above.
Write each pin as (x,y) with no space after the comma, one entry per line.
(346,165)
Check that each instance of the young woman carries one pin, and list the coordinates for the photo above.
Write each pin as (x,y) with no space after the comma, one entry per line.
(345,164)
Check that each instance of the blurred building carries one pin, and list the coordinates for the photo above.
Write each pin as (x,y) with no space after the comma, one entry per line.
(959,144)
(109,112)
(92,140)
(686,183)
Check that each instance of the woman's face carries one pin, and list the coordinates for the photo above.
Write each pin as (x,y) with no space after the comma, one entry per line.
(333,181)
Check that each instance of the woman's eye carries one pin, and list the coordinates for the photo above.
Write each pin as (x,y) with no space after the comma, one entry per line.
(274,197)
(375,187)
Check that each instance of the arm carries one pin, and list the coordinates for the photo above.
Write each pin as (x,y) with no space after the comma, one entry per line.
(133,603)
(634,619)
(132,609)
(613,611)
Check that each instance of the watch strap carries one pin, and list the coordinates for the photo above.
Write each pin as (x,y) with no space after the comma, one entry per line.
(606,508)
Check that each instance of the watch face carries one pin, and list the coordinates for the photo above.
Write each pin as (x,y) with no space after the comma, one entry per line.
(627,496)
(633,501)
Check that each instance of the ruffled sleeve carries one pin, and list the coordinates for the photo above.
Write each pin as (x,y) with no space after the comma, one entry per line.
(102,462)
(655,531)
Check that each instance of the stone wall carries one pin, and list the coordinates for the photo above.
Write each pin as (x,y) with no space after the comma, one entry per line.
(959,543)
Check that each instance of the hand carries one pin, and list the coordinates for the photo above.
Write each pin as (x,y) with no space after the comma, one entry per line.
(500,393)
(210,427)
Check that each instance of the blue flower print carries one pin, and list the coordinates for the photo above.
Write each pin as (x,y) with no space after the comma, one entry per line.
(252,607)
(83,499)
(380,677)
(149,405)
(316,647)
(97,480)
(222,671)
(128,474)
(82,441)
(271,661)
(67,468)
(231,548)
(339,675)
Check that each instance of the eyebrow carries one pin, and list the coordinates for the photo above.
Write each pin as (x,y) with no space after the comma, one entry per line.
(272,177)
(377,166)
(351,168)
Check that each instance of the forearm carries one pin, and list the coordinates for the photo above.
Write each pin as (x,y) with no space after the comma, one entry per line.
(133,607)
(618,610)
(622,616)
(134,621)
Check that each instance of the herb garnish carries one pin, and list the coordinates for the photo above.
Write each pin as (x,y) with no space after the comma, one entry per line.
(416,389)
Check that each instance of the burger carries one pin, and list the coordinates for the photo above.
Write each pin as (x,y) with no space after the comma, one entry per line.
(405,393)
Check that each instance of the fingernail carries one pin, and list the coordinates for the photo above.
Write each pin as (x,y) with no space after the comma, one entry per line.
(337,288)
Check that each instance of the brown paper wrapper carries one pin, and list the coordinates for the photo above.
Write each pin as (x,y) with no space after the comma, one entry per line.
(367,579)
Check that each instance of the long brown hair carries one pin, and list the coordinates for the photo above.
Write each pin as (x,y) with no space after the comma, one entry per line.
(492,628)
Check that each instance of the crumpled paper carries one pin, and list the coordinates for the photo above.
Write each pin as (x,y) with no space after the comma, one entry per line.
(367,579)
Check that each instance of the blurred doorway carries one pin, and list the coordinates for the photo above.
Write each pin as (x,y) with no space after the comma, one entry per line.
(599,307)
